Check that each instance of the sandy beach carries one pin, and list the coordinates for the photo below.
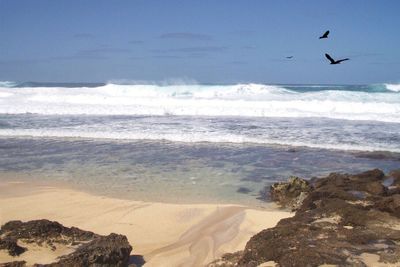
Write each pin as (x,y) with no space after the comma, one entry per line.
(164,234)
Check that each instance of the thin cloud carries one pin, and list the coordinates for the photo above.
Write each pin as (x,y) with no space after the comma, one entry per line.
(136,58)
(22,61)
(193,49)
(96,52)
(248,47)
(167,57)
(136,42)
(79,56)
(186,36)
(83,36)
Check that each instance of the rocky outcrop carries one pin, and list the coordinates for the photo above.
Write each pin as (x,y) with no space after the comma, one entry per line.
(112,250)
(11,246)
(290,194)
(13,264)
(44,232)
(394,176)
(344,220)
(91,249)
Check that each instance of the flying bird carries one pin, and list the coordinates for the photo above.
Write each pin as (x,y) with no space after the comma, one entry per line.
(325,35)
(289,57)
(333,62)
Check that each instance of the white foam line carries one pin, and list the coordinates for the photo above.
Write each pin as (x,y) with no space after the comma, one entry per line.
(250,100)
(187,138)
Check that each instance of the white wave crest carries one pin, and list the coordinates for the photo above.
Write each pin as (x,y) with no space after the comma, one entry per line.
(253,100)
(393,87)
(7,84)
(191,137)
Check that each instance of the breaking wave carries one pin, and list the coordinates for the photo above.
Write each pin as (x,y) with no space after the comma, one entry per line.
(252,100)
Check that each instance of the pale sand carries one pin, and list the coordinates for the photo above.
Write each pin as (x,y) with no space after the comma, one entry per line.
(165,234)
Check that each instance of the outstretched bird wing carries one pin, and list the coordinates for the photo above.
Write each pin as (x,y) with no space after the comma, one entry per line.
(325,35)
(341,60)
(330,58)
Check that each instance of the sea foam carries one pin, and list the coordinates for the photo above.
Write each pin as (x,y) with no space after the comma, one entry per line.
(393,87)
(252,100)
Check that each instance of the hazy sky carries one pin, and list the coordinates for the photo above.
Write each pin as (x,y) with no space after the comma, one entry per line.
(208,41)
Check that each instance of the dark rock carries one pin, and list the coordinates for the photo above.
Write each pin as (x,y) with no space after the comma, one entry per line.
(11,246)
(395,174)
(390,204)
(227,260)
(106,251)
(13,264)
(290,194)
(92,249)
(40,231)
(342,217)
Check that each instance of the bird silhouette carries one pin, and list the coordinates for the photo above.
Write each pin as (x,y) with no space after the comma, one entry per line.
(325,35)
(333,62)
(289,57)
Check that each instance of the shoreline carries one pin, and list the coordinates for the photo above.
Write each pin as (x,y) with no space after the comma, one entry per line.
(163,233)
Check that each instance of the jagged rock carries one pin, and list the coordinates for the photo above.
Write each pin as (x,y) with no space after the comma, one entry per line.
(395,174)
(227,260)
(45,231)
(11,246)
(106,251)
(92,249)
(342,217)
(290,194)
(13,264)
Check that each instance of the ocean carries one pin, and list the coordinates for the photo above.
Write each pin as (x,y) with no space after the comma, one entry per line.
(191,142)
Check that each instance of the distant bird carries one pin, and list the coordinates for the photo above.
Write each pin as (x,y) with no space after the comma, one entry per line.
(289,57)
(325,35)
(333,62)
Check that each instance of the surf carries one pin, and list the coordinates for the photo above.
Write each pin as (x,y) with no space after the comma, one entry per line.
(242,100)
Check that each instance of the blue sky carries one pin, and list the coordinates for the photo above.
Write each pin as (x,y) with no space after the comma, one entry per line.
(208,41)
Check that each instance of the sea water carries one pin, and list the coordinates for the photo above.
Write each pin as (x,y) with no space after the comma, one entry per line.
(194,143)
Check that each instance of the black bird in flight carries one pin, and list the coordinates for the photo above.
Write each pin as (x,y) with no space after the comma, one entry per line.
(289,57)
(333,62)
(325,35)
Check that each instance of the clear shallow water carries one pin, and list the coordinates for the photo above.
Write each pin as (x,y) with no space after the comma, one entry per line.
(173,171)
(194,143)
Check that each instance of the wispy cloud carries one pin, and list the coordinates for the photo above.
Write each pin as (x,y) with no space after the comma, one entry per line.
(83,36)
(100,52)
(22,61)
(136,42)
(167,57)
(248,47)
(136,58)
(193,49)
(187,36)
(86,54)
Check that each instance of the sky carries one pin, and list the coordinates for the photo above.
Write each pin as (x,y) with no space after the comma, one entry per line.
(202,41)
